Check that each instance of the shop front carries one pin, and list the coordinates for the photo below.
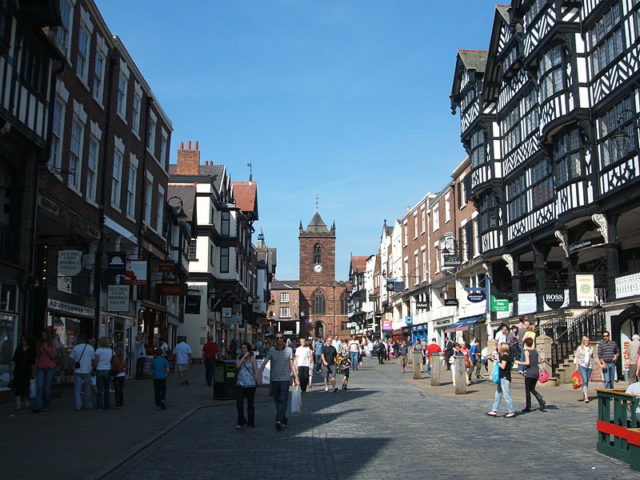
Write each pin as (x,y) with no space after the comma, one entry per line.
(440,327)
(467,329)
(420,332)
(153,324)
(8,330)
(624,324)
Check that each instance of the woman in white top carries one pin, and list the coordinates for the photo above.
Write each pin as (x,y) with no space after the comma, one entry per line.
(303,360)
(584,365)
(103,372)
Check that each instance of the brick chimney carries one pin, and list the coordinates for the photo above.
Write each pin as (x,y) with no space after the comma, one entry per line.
(188,159)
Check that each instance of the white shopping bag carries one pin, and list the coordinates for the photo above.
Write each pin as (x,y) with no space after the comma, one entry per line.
(296,400)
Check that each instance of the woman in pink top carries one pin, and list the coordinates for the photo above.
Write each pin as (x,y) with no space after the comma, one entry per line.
(45,367)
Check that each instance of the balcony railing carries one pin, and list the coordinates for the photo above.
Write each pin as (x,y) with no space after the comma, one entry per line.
(628,285)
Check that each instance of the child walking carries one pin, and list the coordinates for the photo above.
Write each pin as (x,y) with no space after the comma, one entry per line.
(159,370)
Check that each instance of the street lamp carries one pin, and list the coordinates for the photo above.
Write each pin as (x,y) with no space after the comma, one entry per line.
(620,136)
(178,210)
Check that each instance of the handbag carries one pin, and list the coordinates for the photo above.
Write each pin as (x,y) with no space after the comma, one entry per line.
(544,375)
(576,380)
(77,364)
(495,374)
(296,400)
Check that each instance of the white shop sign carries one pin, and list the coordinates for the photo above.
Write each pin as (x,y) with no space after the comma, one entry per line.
(69,263)
(118,298)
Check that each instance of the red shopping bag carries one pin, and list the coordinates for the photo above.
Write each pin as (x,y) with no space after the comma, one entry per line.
(576,378)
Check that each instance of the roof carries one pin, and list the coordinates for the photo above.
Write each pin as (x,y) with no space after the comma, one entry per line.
(474,59)
(245,195)
(284,285)
(359,263)
(504,11)
(216,172)
(187,194)
(317,225)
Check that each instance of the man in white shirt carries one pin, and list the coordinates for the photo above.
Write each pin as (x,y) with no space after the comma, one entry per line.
(82,356)
(501,336)
(303,360)
(634,389)
(183,353)
(354,352)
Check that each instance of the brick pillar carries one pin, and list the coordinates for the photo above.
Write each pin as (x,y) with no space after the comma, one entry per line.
(188,160)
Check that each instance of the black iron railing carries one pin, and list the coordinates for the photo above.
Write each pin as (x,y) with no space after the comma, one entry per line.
(567,333)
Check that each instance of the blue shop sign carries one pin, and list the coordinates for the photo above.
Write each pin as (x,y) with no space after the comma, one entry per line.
(409,320)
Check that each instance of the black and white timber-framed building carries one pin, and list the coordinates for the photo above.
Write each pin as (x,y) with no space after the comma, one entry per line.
(549,118)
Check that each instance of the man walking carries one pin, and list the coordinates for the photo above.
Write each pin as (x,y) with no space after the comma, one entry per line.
(354,352)
(83,355)
(432,348)
(608,354)
(282,369)
(403,351)
(183,354)
(317,352)
(141,356)
(209,354)
(329,354)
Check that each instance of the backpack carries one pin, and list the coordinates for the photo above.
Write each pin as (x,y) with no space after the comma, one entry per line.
(495,374)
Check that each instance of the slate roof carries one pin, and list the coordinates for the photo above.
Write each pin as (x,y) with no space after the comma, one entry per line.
(317,225)
(188,196)
(284,285)
(474,59)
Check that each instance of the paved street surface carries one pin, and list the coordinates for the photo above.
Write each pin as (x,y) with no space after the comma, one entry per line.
(385,426)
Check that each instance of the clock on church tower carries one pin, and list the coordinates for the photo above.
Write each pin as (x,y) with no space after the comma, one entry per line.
(317,252)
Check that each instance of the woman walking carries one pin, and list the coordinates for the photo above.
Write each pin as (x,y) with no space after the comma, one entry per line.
(303,359)
(119,372)
(45,368)
(583,360)
(247,380)
(103,372)
(531,374)
(503,388)
(23,359)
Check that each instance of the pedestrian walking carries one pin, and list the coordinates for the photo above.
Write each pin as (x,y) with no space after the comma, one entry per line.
(501,335)
(381,351)
(467,362)
(303,360)
(246,383)
(45,368)
(83,356)
(608,354)
(503,388)
(531,374)
(329,355)
(583,360)
(474,356)
(164,347)
(141,356)
(209,354)
(346,369)
(281,372)
(318,354)
(432,348)
(512,341)
(22,368)
(102,363)
(159,372)
(634,356)
(119,372)
(354,352)
(448,351)
(183,354)
(403,351)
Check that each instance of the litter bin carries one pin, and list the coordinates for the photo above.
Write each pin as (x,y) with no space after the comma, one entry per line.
(224,380)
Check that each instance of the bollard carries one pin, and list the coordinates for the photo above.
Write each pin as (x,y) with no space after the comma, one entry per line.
(417,364)
(459,378)
(436,367)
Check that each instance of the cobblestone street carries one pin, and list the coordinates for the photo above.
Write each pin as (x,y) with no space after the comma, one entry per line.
(382,427)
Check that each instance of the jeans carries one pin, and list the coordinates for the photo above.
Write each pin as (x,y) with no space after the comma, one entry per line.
(530,389)
(303,376)
(160,390)
(609,374)
(140,368)
(354,360)
(82,388)
(102,383)
(208,369)
(503,389)
(280,392)
(585,374)
(118,385)
(241,394)
(44,382)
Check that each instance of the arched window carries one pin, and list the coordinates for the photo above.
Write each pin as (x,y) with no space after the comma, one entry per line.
(318,302)
(344,304)
(317,254)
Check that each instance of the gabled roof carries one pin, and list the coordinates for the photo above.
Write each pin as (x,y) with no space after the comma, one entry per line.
(216,172)
(494,72)
(317,225)
(359,263)
(466,60)
(245,195)
(284,285)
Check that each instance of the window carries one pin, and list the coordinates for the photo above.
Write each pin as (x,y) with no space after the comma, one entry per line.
(151,134)
(225,223)
(551,76)
(405,233)
(131,187)
(476,240)
(468,245)
(488,213)
(317,254)
(33,68)
(318,302)
(92,168)
(415,225)
(63,32)
(99,66)
(160,209)
(607,126)
(164,161)
(192,252)
(478,150)
(136,106)
(424,219)
(57,125)
(534,10)
(510,125)
(284,297)
(447,208)
(121,96)
(224,259)
(606,39)
(436,218)
(416,270)
(82,59)
(148,199)
(542,181)
(516,197)
(116,178)
(344,304)
(567,152)
(75,154)
(462,192)
(285,312)
(425,273)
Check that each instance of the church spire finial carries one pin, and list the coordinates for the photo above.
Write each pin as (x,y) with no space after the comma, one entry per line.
(317,203)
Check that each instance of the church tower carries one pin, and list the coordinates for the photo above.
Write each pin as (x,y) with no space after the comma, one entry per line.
(317,252)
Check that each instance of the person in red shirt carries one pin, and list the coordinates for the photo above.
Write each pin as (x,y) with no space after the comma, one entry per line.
(209,353)
(431,349)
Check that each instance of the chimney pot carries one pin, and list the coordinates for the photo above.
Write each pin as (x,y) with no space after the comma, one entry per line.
(197,144)
(189,145)
(181,145)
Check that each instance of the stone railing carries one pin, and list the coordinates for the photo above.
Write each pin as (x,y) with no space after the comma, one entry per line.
(628,285)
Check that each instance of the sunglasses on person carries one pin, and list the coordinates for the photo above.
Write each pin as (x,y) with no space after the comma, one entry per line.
(279,338)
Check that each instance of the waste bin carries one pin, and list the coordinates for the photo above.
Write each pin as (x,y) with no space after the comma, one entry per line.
(224,380)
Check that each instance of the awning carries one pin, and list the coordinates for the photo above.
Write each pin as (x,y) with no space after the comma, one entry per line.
(465,323)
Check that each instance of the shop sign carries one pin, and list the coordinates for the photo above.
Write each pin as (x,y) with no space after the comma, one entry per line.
(65,284)
(171,289)
(118,298)
(69,263)
(227,312)
(554,298)
(527,303)
(116,263)
(167,267)
(574,247)
(387,325)
(408,320)
(477,297)
(451,261)
(136,272)
(450,302)
(70,308)
(499,304)
(422,305)
(585,288)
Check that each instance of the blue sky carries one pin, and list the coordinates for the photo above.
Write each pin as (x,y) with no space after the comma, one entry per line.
(345,99)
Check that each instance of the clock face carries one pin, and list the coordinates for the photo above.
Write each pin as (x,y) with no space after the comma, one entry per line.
(317,268)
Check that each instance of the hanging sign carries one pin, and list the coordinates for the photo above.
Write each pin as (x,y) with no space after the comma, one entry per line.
(387,325)
(69,263)
(476,297)
(116,262)
(118,298)
(554,298)
(136,272)
(450,302)
(585,289)
(499,304)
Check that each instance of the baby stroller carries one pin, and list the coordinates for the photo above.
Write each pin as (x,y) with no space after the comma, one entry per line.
(343,363)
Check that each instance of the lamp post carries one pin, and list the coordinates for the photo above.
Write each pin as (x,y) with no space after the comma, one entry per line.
(620,136)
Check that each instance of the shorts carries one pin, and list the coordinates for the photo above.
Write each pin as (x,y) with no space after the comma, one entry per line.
(330,371)
(182,367)
(346,372)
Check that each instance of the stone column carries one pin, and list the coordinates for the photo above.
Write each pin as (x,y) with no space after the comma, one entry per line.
(417,364)
(571,274)
(459,378)
(543,345)
(539,265)
(612,250)
(436,367)
(492,345)
(516,280)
